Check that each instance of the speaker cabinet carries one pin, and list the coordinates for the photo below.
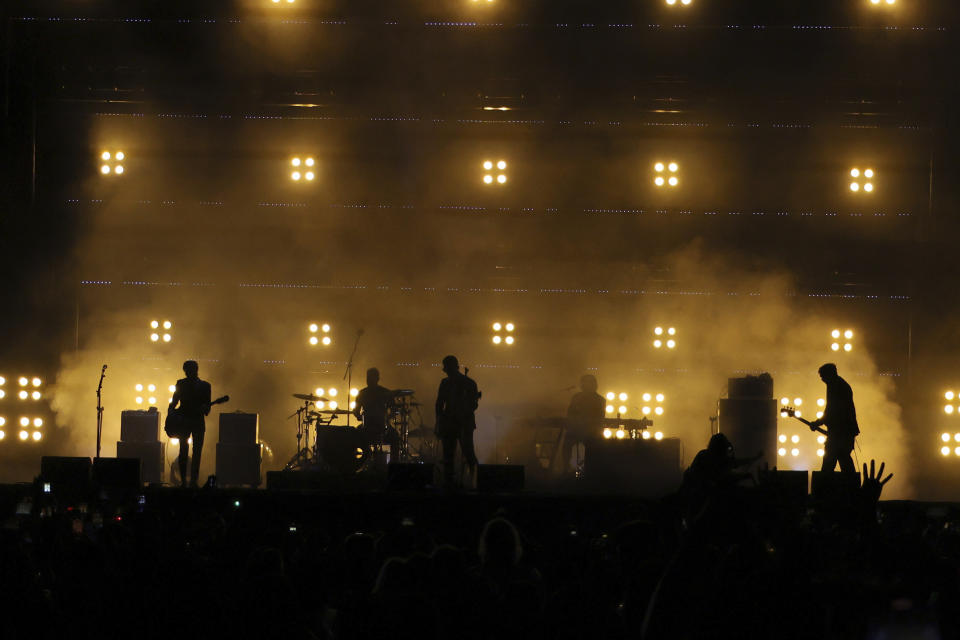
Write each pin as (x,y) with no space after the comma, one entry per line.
(151,456)
(500,478)
(239,428)
(65,474)
(751,426)
(118,473)
(140,426)
(238,464)
(649,468)
(409,476)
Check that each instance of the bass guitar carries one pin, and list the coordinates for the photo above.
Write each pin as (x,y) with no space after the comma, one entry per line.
(174,425)
(790,412)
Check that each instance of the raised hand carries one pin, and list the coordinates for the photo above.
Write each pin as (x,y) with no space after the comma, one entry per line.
(871,483)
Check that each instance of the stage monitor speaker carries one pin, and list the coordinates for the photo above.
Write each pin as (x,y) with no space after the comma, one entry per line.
(831,486)
(500,478)
(751,426)
(140,426)
(409,476)
(649,468)
(64,473)
(238,464)
(151,456)
(239,428)
(118,473)
(787,488)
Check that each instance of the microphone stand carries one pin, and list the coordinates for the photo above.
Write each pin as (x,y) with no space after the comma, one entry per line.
(348,375)
(103,373)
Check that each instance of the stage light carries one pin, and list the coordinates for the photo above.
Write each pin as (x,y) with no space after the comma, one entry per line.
(23,394)
(794,452)
(621,434)
(506,328)
(646,434)
(332,392)
(658,435)
(2,434)
(156,335)
(489,178)
(862,180)
(949,395)
(652,403)
(782,438)
(37,435)
(38,422)
(685,3)
(333,405)
(35,395)
(666,174)
(354,393)
(319,334)
(659,333)
(607,433)
(110,163)
(820,453)
(948,409)
(845,344)
(623,397)
(24,435)
(795,439)
(24,421)
(609,408)
(956,437)
(23,381)
(3,421)
(781,451)
(821,439)
(945,451)
(945,437)
(956,451)
(303,168)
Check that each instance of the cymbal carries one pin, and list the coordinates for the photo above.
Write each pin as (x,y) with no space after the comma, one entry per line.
(309,397)
(403,392)
(335,412)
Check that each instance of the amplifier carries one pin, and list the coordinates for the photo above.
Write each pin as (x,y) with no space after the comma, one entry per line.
(151,456)
(649,468)
(140,426)
(238,464)
(63,473)
(239,428)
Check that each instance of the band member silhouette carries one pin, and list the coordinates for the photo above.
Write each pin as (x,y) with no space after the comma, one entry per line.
(193,396)
(373,404)
(840,416)
(584,414)
(457,399)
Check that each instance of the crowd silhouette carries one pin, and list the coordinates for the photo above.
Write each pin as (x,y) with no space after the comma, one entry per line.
(735,560)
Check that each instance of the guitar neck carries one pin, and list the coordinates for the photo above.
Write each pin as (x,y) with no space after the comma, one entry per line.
(809,424)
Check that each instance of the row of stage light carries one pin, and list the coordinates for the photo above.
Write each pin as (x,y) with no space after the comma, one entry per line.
(503,333)
(493,3)
(495,173)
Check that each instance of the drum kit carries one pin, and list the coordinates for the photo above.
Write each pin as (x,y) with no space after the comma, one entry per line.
(345,449)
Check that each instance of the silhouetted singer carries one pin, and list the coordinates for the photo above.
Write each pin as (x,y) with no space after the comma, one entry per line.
(193,396)
(373,404)
(584,414)
(457,399)
(840,417)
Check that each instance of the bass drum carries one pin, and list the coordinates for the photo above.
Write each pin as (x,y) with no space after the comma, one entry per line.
(340,449)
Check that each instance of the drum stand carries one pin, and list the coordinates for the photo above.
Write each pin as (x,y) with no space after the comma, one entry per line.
(401,420)
(305,456)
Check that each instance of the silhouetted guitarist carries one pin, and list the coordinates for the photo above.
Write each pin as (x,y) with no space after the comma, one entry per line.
(193,396)
(840,417)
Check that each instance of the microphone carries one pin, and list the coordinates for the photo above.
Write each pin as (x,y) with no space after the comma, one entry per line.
(104,369)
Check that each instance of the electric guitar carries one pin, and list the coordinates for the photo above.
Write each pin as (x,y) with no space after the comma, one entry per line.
(173,425)
(792,413)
